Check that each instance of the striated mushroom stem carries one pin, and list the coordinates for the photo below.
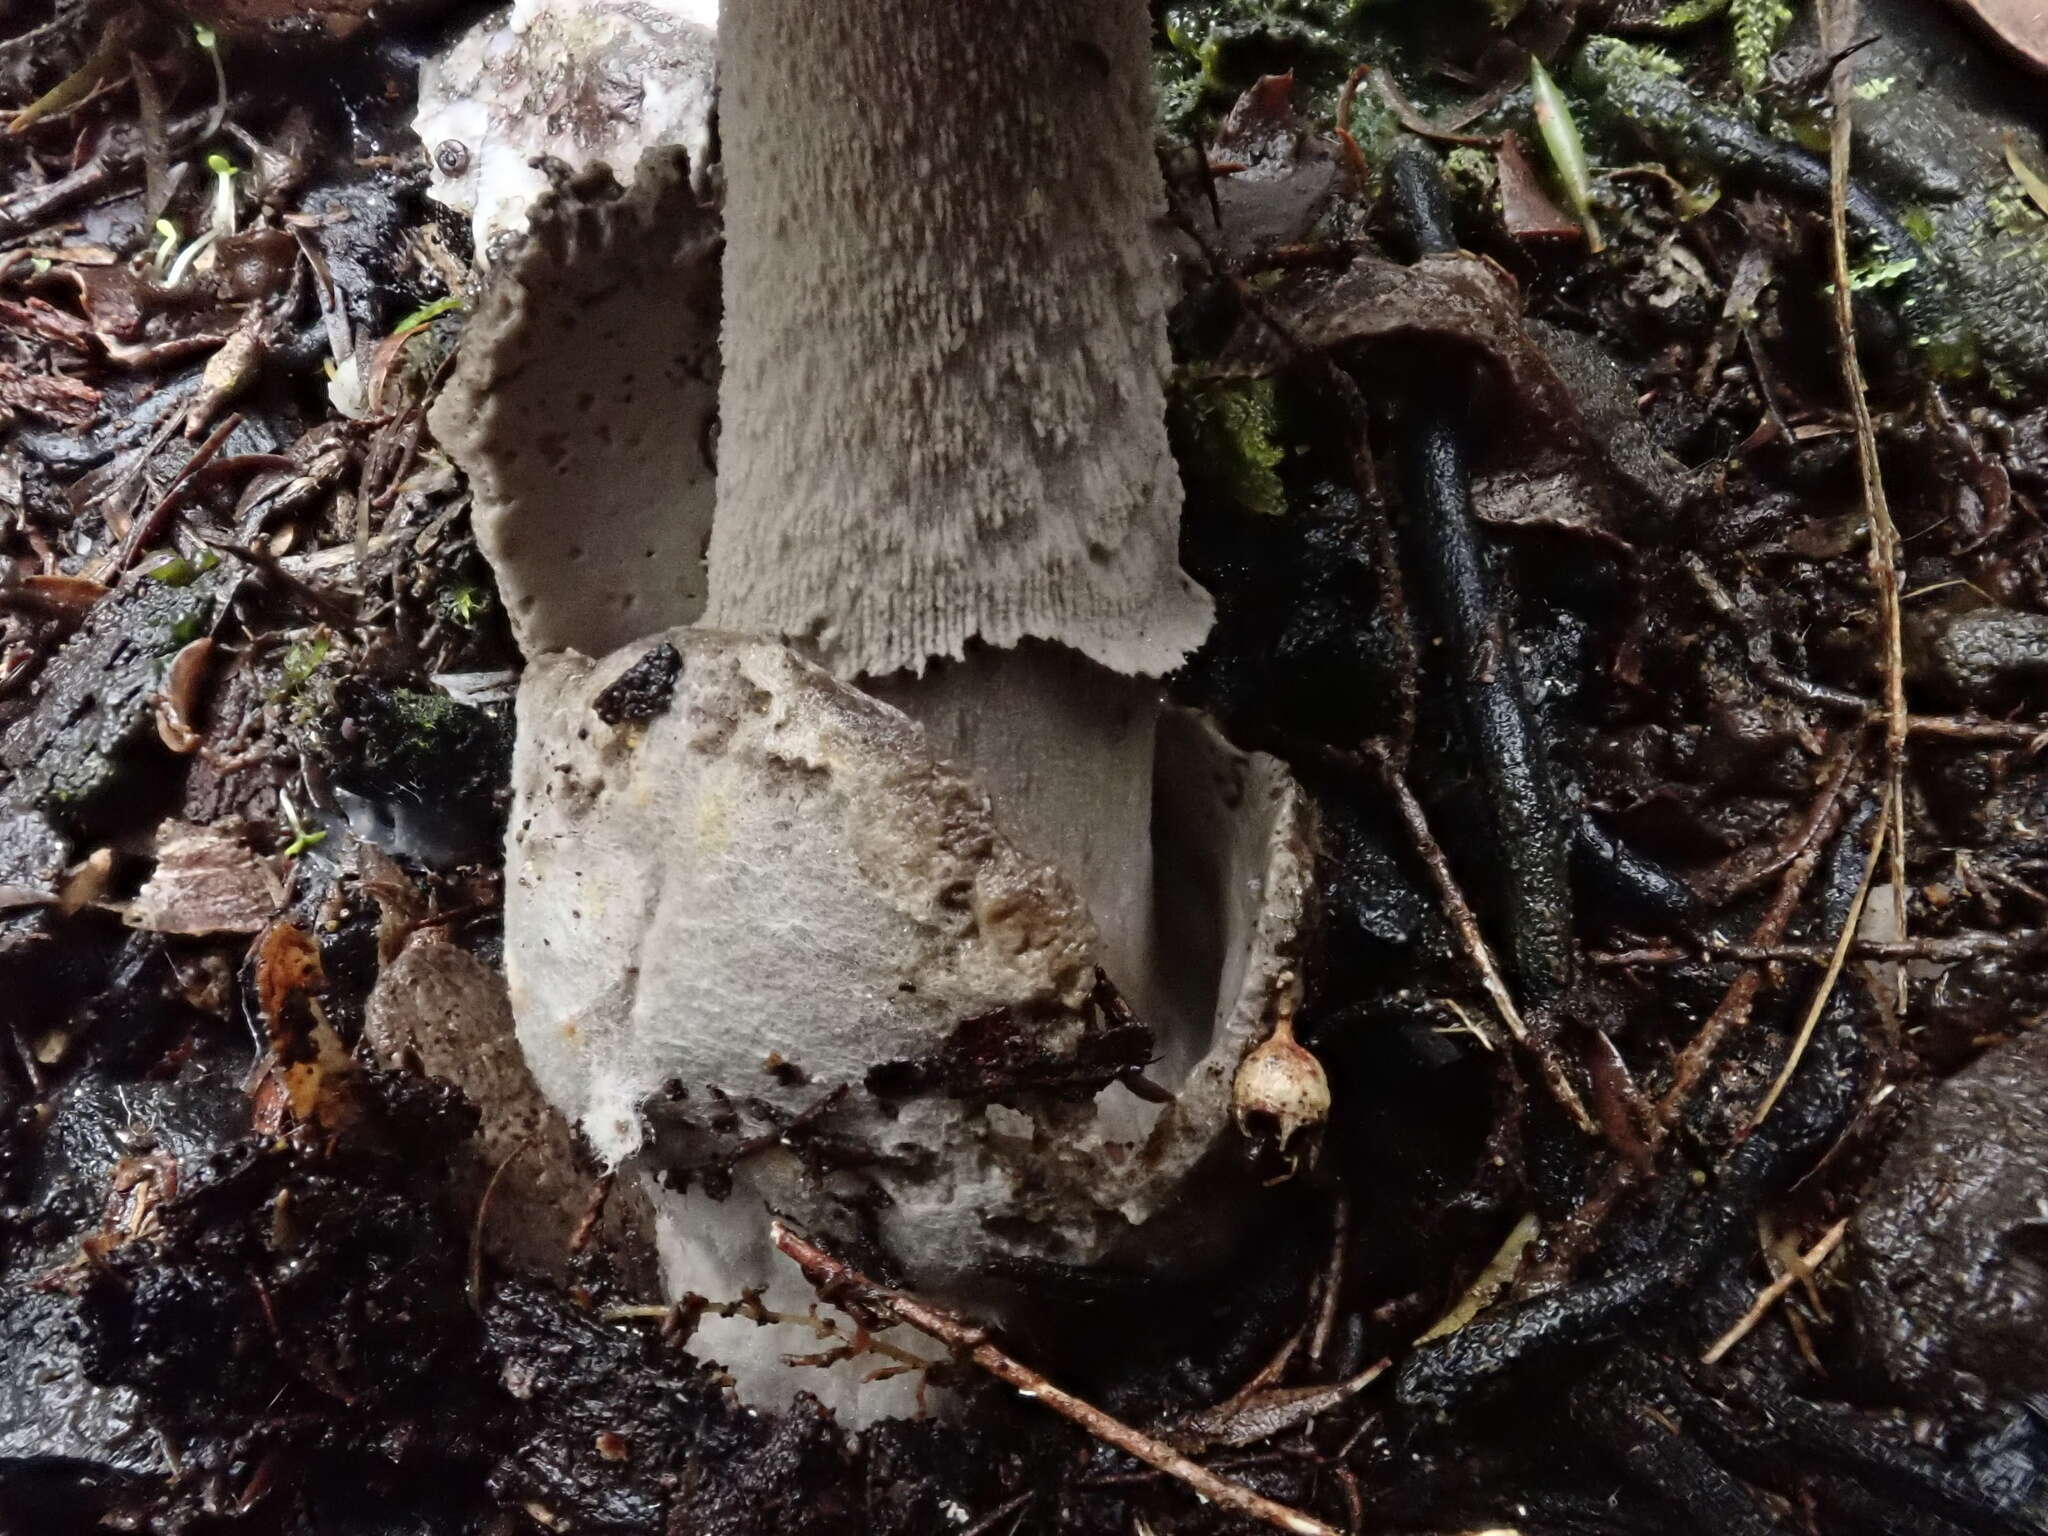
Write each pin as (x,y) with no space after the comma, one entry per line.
(948,225)
(942,416)
(1065,749)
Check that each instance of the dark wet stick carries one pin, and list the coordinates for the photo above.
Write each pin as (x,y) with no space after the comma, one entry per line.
(1817,1106)
(1457,596)
(1780,1440)
(1634,887)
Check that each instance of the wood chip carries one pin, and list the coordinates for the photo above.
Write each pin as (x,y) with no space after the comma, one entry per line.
(207,880)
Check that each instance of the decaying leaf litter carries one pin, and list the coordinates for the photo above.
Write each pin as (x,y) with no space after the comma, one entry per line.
(1662,705)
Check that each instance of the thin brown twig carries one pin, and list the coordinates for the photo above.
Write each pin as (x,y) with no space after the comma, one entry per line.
(1404,110)
(752,1309)
(148,529)
(1771,1294)
(476,1234)
(1332,1280)
(837,1281)
(1838,20)
(1734,1008)
(1574,1235)
(1828,981)
(1935,950)
(1466,926)
(1353,155)
(1000,1513)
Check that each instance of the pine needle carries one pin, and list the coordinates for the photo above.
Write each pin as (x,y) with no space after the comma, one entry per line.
(1771,1294)
(1828,981)
(1837,19)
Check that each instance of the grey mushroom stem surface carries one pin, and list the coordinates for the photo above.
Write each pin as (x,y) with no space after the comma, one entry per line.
(943,461)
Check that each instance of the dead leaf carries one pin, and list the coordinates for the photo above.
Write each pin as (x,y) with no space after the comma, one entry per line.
(1526,208)
(52,396)
(1459,299)
(2020,25)
(1260,1416)
(287,968)
(177,707)
(207,880)
(2036,185)
(319,1082)
(1272,178)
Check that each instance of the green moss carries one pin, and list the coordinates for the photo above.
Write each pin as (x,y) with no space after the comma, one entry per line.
(1226,436)
(301,660)
(180,572)
(1755,28)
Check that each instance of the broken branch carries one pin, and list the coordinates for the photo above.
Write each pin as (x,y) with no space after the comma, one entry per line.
(837,1282)
(1771,1294)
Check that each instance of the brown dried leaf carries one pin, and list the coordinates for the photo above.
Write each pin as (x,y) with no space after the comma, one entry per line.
(177,708)
(1248,1420)
(1272,178)
(1460,299)
(287,968)
(207,880)
(52,396)
(1525,204)
(320,1082)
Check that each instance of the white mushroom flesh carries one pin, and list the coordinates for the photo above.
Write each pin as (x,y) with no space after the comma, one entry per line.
(585,82)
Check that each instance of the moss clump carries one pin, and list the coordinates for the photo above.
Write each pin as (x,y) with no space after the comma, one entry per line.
(1226,436)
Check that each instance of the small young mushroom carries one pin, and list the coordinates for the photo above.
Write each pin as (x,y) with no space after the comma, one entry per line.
(863,898)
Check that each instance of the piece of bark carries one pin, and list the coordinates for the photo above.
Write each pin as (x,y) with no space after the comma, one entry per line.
(439,1009)
(208,880)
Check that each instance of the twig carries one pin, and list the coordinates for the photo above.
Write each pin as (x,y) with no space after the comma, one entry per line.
(476,1234)
(593,1213)
(1000,1513)
(1826,989)
(1734,1008)
(1414,121)
(1837,19)
(1577,1231)
(1489,1283)
(750,1307)
(835,1281)
(1771,1294)
(148,529)
(1352,153)
(1939,951)
(2032,735)
(22,210)
(1333,1279)
(1459,912)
